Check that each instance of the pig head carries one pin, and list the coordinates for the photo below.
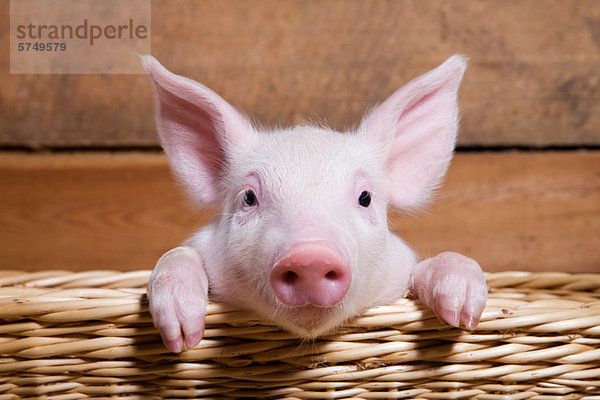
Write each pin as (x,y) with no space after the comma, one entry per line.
(303,238)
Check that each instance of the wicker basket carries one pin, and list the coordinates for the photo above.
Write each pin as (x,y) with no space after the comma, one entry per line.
(88,335)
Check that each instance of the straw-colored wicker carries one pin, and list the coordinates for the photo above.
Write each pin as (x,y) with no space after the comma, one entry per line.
(89,335)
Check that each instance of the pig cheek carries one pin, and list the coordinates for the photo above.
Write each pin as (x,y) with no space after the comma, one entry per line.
(248,258)
(254,237)
(240,282)
(244,223)
(370,244)
(371,216)
(371,229)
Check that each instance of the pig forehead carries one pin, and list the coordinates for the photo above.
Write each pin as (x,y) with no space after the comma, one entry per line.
(310,155)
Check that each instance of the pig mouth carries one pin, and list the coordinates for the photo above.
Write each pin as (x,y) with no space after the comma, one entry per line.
(311,321)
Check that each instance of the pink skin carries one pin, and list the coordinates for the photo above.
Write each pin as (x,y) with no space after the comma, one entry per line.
(178,288)
(452,300)
(311,274)
(295,243)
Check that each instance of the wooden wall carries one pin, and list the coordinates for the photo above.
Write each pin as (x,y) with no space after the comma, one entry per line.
(510,211)
(533,79)
(533,84)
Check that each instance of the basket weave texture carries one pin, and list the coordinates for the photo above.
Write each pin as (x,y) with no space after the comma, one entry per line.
(67,335)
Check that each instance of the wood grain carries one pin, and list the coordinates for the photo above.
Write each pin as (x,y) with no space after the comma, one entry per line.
(510,211)
(534,77)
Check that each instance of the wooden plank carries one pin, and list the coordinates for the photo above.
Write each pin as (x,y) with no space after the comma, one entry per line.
(522,210)
(511,211)
(533,77)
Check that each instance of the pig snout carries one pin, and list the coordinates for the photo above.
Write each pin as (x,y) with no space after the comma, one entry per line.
(311,274)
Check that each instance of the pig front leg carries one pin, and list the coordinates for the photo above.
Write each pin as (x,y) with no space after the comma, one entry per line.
(178,296)
(453,286)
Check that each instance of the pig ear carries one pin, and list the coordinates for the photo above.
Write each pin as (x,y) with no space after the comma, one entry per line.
(197,128)
(416,129)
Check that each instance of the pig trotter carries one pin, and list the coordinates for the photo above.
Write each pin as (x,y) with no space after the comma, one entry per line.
(453,287)
(178,295)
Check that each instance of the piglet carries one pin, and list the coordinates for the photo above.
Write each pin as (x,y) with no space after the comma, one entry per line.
(303,237)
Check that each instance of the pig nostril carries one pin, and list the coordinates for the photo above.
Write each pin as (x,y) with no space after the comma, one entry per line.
(331,275)
(289,277)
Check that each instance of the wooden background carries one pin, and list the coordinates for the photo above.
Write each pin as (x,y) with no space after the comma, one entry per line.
(533,85)
(509,210)
(533,79)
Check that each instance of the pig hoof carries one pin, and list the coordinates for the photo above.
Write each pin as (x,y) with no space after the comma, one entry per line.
(453,286)
(178,296)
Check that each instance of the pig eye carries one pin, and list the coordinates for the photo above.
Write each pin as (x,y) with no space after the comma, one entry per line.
(250,198)
(364,199)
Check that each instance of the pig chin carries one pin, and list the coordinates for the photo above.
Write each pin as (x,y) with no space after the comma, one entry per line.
(310,321)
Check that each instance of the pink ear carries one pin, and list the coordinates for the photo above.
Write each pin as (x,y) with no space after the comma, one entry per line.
(197,128)
(417,128)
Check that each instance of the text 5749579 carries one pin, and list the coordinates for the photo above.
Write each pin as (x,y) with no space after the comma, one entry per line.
(41,46)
